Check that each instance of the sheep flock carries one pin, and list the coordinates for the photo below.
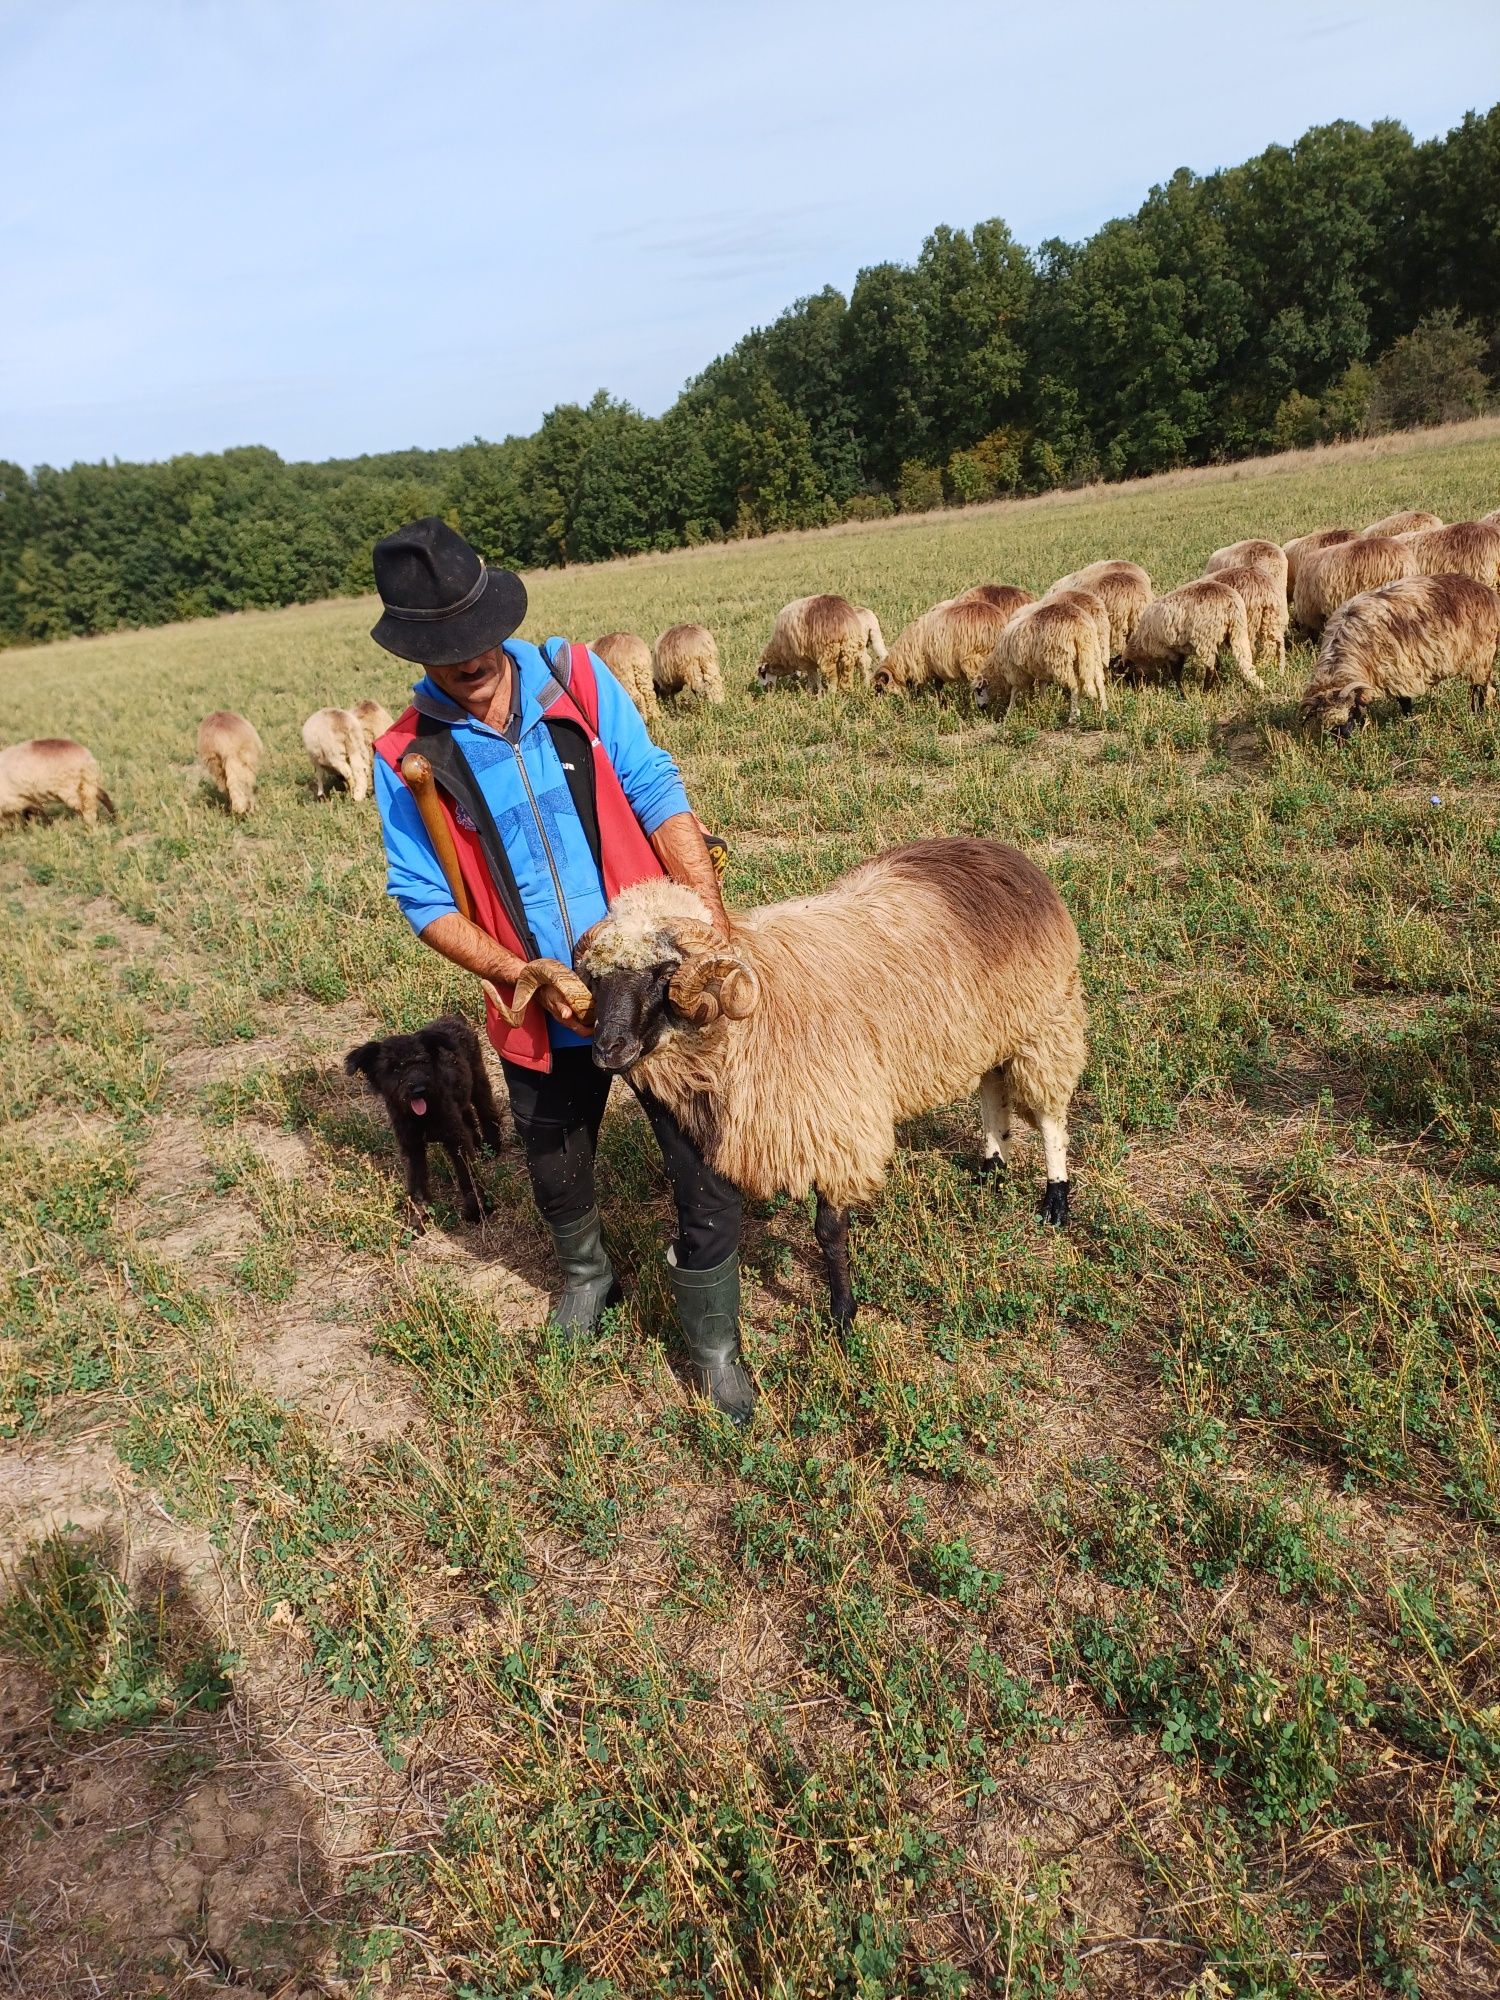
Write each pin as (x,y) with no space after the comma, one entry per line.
(1345,588)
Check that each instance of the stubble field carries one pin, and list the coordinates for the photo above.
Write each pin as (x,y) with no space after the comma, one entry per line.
(1115,1612)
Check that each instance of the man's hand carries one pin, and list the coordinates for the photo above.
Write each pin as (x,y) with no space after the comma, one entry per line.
(552,1001)
(678,845)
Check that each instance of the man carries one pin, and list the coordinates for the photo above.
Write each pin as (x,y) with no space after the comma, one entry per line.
(555,798)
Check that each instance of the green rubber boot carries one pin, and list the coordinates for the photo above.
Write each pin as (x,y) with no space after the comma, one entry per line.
(708,1306)
(589,1283)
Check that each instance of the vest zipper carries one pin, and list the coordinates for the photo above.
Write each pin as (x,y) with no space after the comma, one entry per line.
(562,902)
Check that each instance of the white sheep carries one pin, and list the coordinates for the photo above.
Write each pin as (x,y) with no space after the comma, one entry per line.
(1412,522)
(945,647)
(1190,627)
(818,642)
(685,660)
(1063,641)
(1124,588)
(1262,591)
(373,719)
(1331,576)
(1253,554)
(229,749)
(629,660)
(48,771)
(337,747)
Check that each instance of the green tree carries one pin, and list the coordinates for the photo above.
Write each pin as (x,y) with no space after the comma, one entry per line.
(1431,375)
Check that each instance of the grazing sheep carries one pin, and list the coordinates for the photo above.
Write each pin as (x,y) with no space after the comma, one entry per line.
(790,1054)
(1125,589)
(874,637)
(335,741)
(686,661)
(51,771)
(1063,640)
(1413,522)
(1402,639)
(1467,548)
(1191,626)
(1491,520)
(373,719)
(1333,575)
(629,660)
(1254,554)
(1006,597)
(946,646)
(1301,547)
(1263,594)
(229,749)
(818,642)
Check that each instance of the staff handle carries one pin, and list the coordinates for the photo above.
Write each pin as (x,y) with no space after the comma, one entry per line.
(417,772)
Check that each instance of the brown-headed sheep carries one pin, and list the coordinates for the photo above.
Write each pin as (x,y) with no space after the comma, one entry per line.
(1467,548)
(1253,554)
(337,748)
(1063,641)
(1333,575)
(790,1053)
(51,771)
(1190,627)
(373,718)
(1263,594)
(229,749)
(1125,589)
(1413,522)
(1402,639)
(818,642)
(629,660)
(1301,547)
(946,647)
(686,661)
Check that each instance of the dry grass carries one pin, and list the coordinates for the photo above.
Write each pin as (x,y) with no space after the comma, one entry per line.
(1111,1614)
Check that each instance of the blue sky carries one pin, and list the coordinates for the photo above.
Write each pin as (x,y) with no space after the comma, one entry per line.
(333,228)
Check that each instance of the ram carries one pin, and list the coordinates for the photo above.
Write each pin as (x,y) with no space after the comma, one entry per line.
(1415,521)
(686,661)
(1190,627)
(338,748)
(1063,641)
(1254,554)
(1262,591)
(1403,640)
(790,1052)
(1301,547)
(1467,548)
(1333,575)
(946,647)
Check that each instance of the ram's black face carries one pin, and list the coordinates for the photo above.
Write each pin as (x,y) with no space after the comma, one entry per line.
(630,1014)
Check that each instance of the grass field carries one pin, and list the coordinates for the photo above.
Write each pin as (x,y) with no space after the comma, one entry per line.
(1118,1613)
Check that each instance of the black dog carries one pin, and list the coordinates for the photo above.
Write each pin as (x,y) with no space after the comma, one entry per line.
(435,1089)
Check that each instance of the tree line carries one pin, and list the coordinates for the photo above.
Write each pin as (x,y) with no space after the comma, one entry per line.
(1345,283)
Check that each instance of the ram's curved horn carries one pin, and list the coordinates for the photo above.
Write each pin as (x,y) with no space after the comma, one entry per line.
(713,983)
(564,981)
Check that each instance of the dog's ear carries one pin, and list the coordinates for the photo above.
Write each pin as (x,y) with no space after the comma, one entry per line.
(362,1061)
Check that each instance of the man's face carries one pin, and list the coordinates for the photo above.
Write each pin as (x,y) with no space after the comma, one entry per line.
(474,685)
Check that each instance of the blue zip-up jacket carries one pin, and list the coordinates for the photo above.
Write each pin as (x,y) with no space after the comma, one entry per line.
(524,786)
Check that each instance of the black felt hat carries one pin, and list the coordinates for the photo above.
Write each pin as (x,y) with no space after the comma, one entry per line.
(442,606)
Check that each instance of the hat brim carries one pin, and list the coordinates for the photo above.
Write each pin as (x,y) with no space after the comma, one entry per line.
(448,642)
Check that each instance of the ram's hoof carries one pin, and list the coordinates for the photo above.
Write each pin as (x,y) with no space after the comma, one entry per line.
(1053,1207)
(992,1163)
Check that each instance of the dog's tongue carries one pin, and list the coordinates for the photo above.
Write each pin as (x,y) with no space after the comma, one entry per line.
(419,1105)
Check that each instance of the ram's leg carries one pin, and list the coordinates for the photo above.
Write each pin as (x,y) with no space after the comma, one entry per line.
(998,1116)
(1404,703)
(1053,1207)
(831,1227)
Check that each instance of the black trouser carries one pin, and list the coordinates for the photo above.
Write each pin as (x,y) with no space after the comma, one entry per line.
(557,1114)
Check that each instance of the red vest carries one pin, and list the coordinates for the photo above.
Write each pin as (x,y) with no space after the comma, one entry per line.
(626,855)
